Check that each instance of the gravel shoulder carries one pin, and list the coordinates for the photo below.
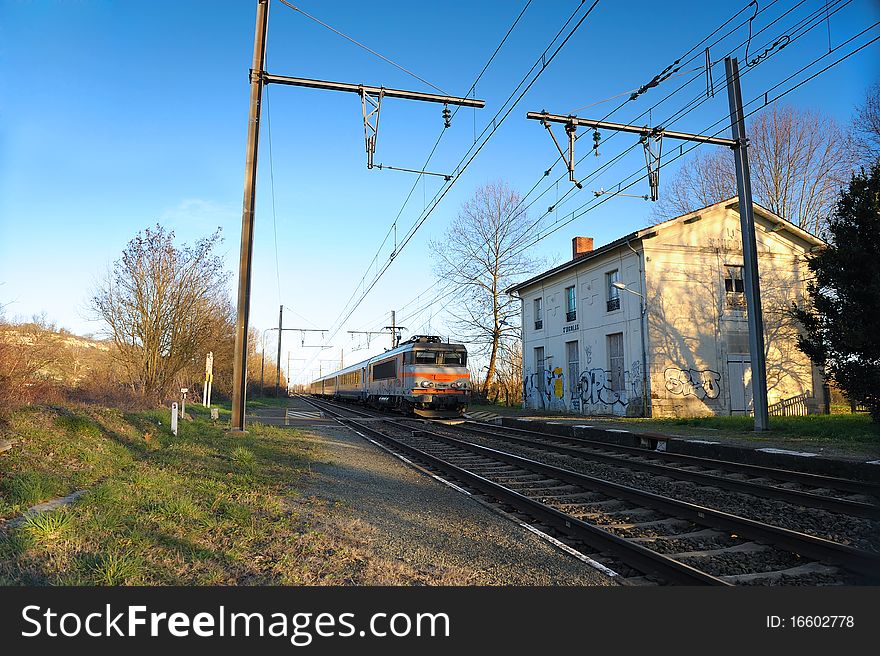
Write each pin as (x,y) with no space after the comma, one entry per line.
(406,517)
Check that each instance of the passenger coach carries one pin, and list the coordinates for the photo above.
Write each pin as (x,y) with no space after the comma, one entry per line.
(423,376)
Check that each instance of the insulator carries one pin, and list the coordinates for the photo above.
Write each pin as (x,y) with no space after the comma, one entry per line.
(446,116)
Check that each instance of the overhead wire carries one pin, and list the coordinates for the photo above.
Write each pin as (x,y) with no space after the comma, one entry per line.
(695,47)
(393,227)
(361,45)
(574,215)
(688,107)
(798,29)
(644,113)
(469,156)
(272,186)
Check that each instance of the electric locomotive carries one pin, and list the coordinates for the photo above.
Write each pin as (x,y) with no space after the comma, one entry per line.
(424,376)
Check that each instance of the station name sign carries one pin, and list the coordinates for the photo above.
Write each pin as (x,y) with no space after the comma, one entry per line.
(570,329)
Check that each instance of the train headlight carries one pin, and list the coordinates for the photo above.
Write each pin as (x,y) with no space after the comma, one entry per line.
(426,383)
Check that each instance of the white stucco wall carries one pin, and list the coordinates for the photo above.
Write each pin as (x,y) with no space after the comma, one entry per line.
(697,346)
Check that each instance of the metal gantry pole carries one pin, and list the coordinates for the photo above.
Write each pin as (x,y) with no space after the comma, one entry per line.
(239,375)
(750,247)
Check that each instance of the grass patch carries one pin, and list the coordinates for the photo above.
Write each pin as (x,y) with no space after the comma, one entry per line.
(267,402)
(841,433)
(243,456)
(204,507)
(24,489)
(114,567)
(498,409)
(842,430)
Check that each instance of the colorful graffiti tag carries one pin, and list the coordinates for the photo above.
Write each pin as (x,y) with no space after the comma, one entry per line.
(547,387)
(591,393)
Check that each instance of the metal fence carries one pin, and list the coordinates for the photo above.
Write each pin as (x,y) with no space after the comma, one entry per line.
(796,406)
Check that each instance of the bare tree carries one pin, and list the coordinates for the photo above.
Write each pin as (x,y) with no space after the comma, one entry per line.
(28,353)
(482,252)
(159,302)
(799,162)
(510,371)
(866,126)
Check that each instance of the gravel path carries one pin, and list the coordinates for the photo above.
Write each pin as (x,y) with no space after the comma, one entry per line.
(432,527)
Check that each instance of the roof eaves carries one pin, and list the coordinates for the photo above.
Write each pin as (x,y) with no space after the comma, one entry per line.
(583,258)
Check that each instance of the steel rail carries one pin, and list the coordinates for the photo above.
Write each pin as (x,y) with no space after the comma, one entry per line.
(856,560)
(854,508)
(805,478)
(333,408)
(633,554)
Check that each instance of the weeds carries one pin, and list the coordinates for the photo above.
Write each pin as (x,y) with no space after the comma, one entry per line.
(29,488)
(46,527)
(243,456)
(113,567)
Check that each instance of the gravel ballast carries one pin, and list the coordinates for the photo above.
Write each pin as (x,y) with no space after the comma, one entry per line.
(432,527)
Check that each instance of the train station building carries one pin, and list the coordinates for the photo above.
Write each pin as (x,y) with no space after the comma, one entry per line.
(654,323)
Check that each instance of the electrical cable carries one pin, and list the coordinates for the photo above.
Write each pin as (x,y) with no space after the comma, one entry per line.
(272,185)
(464,164)
(361,45)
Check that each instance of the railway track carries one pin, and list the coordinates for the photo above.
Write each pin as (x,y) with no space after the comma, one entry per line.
(645,537)
(850,497)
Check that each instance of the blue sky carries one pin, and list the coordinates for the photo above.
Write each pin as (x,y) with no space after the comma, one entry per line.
(116,115)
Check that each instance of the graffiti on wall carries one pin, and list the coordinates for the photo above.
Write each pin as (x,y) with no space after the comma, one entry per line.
(703,384)
(591,393)
(546,387)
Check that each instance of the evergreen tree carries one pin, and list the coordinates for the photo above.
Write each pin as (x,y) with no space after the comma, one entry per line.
(842,328)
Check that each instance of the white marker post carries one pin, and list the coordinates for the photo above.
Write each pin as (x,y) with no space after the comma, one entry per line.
(209,379)
(174,418)
(183,391)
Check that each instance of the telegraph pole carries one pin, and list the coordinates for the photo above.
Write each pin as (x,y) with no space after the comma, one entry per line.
(278,364)
(239,376)
(754,312)
(739,145)
(371,100)
(263,366)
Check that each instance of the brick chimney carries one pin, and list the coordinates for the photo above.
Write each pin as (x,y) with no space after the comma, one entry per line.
(580,246)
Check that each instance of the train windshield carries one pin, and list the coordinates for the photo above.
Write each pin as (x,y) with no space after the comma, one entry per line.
(453,358)
(425,357)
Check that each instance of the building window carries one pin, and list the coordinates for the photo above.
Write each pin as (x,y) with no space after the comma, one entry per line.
(613,298)
(539,313)
(615,361)
(539,368)
(570,304)
(734,288)
(571,350)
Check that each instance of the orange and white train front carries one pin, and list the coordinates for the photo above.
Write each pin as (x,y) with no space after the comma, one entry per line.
(436,380)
